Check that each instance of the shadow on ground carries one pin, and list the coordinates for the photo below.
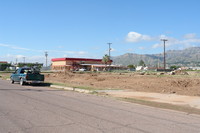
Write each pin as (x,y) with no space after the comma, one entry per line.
(34,88)
(37,85)
(26,89)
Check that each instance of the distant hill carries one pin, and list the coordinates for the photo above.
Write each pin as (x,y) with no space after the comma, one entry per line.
(186,57)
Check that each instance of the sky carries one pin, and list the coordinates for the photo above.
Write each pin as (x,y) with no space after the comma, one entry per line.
(83,28)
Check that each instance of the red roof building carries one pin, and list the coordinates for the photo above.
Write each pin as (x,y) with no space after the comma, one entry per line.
(76,63)
(3,62)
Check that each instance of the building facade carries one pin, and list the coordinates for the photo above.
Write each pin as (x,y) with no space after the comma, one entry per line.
(3,62)
(75,64)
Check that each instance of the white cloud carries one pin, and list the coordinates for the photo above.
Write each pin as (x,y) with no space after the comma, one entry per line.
(52,51)
(14,47)
(157,45)
(81,53)
(141,48)
(130,50)
(190,36)
(112,49)
(60,46)
(14,56)
(69,53)
(37,57)
(4,45)
(20,58)
(19,48)
(163,37)
(137,37)
(190,40)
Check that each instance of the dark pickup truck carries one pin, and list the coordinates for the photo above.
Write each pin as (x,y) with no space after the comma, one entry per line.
(27,75)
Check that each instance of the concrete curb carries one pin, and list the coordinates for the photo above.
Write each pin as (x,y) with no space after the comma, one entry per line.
(71,89)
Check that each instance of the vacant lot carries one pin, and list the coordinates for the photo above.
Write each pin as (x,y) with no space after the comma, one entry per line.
(149,82)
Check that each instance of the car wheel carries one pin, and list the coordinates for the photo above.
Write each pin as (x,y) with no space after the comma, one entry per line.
(21,81)
(12,81)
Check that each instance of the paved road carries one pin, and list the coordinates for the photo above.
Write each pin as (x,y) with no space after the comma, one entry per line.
(33,109)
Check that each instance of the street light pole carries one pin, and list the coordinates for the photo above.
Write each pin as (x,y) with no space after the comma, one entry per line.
(46,54)
(109,49)
(24,59)
(164,40)
(109,54)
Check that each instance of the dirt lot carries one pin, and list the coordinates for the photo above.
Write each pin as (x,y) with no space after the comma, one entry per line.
(178,84)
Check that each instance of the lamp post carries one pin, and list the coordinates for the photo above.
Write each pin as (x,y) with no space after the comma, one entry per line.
(46,54)
(24,59)
(109,49)
(164,40)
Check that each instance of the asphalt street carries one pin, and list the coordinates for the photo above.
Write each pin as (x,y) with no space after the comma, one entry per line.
(35,109)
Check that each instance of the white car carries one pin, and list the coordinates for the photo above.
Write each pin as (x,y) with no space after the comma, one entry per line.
(82,69)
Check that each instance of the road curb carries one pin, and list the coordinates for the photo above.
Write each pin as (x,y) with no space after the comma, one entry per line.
(71,89)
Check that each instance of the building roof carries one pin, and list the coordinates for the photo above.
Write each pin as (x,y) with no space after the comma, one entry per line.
(100,65)
(76,59)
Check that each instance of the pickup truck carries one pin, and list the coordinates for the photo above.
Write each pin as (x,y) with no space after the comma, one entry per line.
(26,75)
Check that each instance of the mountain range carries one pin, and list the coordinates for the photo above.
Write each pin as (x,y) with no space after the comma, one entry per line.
(187,57)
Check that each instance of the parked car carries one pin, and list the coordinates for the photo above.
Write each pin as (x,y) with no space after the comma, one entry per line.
(27,75)
(82,69)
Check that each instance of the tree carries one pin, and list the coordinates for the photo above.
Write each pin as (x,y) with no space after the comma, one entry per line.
(141,63)
(3,66)
(131,66)
(39,65)
(174,67)
(106,59)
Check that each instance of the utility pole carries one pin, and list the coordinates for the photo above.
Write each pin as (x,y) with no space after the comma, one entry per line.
(16,61)
(46,54)
(164,40)
(109,54)
(109,49)
(24,59)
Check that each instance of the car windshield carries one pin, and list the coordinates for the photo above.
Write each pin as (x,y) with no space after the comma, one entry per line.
(25,70)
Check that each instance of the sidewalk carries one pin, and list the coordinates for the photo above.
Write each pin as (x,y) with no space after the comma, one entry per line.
(175,99)
(191,101)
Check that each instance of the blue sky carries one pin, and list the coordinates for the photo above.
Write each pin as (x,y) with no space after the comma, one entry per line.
(82,28)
